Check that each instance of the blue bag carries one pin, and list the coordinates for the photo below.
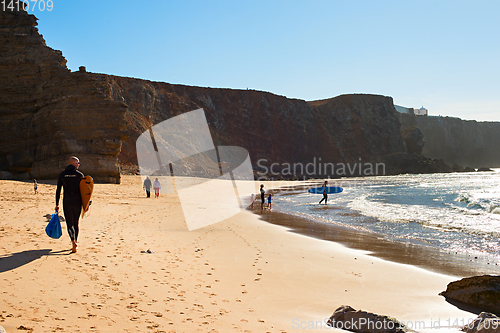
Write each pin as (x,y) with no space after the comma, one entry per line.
(53,229)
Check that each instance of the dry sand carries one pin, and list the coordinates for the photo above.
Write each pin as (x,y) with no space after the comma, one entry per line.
(240,275)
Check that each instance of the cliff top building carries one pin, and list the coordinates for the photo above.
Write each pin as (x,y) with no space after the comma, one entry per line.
(419,112)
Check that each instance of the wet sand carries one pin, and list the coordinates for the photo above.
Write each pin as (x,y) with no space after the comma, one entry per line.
(239,275)
(427,257)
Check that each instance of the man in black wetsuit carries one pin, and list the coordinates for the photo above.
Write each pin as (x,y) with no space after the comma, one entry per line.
(69,179)
(325,195)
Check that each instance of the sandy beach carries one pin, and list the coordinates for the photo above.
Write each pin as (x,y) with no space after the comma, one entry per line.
(240,275)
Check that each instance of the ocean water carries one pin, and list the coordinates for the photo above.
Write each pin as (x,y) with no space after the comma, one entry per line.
(453,212)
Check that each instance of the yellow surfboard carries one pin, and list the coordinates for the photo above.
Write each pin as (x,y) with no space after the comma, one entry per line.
(86,189)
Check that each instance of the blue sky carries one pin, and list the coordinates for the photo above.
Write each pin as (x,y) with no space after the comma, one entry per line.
(440,54)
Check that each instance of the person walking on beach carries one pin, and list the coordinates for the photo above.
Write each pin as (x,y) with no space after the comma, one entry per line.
(262,199)
(252,199)
(325,195)
(35,186)
(157,187)
(69,180)
(147,186)
(269,198)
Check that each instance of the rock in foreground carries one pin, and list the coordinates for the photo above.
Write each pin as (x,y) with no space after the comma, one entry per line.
(482,292)
(484,323)
(347,318)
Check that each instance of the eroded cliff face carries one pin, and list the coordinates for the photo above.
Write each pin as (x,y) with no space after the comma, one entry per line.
(465,143)
(48,113)
(360,126)
(275,130)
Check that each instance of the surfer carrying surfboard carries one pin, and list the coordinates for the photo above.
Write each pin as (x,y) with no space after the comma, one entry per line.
(69,179)
(325,195)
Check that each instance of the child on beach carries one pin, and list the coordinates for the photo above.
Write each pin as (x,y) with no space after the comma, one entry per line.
(252,199)
(157,187)
(269,198)
(35,185)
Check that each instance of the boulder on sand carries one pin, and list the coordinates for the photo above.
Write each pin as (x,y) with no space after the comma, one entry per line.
(349,319)
(484,323)
(482,292)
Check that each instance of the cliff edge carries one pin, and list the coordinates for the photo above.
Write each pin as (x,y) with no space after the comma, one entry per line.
(344,132)
(48,113)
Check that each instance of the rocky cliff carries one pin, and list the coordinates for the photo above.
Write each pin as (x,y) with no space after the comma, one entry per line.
(48,113)
(466,143)
(349,135)
(272,128)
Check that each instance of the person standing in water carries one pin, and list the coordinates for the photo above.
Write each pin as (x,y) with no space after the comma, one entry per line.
(325,195)
(269,199)
(69,180)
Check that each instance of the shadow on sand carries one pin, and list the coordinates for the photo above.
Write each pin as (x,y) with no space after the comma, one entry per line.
(14,260)
(463,306)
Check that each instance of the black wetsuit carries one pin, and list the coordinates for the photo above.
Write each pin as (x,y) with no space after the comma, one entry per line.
(69,179)
(325,196)
(262,194)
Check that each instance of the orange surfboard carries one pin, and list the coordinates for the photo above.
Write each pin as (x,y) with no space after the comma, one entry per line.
(86,189)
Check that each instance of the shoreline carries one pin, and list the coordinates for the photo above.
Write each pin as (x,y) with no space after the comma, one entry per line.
(378,245)
(426,257)
(241,274)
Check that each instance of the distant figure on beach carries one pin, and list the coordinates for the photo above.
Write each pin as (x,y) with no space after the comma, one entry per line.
(35,186)
(262,194)
(325,196)
(269,199)
(69,180)
(252,199)
(157,187)
(147,186)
